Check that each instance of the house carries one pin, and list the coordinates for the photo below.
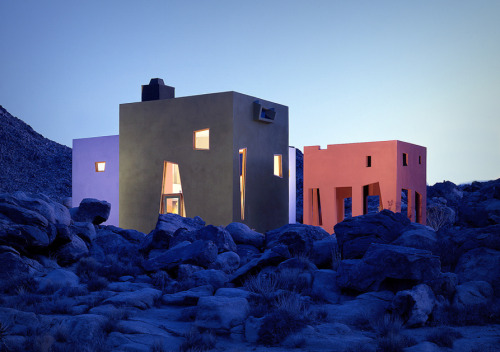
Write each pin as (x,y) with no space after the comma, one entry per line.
(222,156)
(383,170)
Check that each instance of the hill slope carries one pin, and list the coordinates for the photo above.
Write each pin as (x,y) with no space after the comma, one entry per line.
(30,162)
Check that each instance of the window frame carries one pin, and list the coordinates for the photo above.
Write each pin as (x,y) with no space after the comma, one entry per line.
(194,139)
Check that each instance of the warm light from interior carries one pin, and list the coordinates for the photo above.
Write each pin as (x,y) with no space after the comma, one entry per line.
(201,139)
(100,166)
(243,172)
(278,166)
(172,200)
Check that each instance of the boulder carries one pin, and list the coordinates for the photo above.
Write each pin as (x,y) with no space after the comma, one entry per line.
(171,222)
(481,264)
(297,237)
(234,292)
(214,278)
(272,256)
(488,237)
(444,285)
(472,294)
(156,239)
(216,234)
(19,322)
(20,215)
(114,240)
(88,327)
(228,262)
(14,265)
(201,253)
(355,235)
(25,238)
(221,313)
(189,297)
(242,234)
(54,212)
(142,299)
(325,286)
(246,253)
(252,328)
(414,306)
(84,230)
(325,252)
(185,271)
(91,210)
(418,236)
(58,278)
(388,267)
(72,251)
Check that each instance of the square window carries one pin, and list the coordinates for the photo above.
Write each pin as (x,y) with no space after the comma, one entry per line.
(100,166)
(201,139)
(278,167)
(369,161)
(405,159)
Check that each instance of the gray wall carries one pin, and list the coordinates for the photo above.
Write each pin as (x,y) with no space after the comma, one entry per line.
(156,131)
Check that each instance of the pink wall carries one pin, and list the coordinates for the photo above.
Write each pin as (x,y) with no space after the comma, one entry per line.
(341,171)
(87,183)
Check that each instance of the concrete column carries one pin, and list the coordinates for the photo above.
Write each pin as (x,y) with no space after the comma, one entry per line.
(328,209)
(411,205)
(357,200)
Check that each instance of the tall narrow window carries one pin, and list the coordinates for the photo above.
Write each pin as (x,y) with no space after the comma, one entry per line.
(405,159)
(172,200)
(419,159)
(243,171)
(317,217)
(278,166)
(201,139)
(100,166)
(369,161)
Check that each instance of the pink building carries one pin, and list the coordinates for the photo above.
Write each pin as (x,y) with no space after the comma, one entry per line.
(358,170)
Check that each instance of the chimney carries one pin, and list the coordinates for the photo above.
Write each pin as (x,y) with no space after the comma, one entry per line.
(157,90)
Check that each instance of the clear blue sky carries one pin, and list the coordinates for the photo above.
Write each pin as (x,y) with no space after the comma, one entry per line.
(425,72)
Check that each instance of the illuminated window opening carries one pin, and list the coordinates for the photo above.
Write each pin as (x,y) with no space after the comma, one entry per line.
(201,139)
(369,161)
(405,159)
(172,200)
(243,172)
(100,166)
(278,166)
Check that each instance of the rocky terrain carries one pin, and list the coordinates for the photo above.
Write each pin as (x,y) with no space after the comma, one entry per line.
(380,283)
(31,162)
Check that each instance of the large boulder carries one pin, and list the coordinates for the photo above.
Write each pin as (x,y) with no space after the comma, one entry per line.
(201,253)
(189,297)
(481,264)
(325,287)
(156,239)
(414,306)
(214,278)
(228,262)
(172,222)
(242,234)
(298,238)
(418,236)
(142,299)
(388,267)
(91,210)
(20,215)
(246,253)
(355,235)
(72,251)
(473,294)
(272,256)
(325,252)
(114,240)
(58,278)
(221,313)
(84,230)
(14,265)
(216,234)
(25,238)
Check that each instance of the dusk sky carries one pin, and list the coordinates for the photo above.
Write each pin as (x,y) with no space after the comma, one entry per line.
(424,72)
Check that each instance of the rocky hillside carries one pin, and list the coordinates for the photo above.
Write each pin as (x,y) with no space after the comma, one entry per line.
(30,162)
(380,283)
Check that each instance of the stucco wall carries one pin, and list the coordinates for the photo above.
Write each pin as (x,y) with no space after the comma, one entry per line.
(87,183)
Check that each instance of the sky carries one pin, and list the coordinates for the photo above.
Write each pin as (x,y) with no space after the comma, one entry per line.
(425,72)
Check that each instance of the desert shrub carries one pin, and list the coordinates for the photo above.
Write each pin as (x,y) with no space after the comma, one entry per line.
(87,268)
(115,268)
(97,284)
(444,337)
(394,343)
(263,285)
(55,305)
(289,316)
(196,341)
(161,280)
(19,281)
(4,332)
(50,288)
(292,280)
(387,325)
(438,216)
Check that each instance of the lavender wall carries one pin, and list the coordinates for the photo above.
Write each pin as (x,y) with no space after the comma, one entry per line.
(87,183)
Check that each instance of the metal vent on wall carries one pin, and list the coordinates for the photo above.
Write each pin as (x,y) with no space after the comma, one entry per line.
(262,114)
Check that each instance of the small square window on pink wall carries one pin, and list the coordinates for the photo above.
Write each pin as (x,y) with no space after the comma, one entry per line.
(100,166)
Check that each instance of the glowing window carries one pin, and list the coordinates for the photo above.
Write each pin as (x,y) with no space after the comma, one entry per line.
(201,139)
(278,167)
(243,172)
(100,166)
(172,200)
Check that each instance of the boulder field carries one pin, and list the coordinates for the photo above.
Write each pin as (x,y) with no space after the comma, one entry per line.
(379,283)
